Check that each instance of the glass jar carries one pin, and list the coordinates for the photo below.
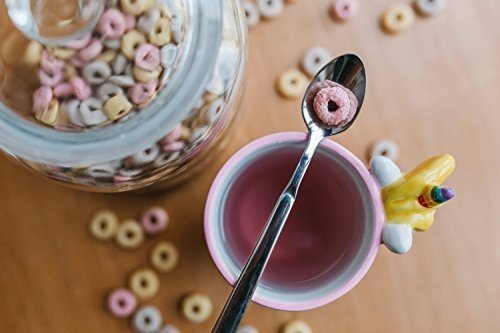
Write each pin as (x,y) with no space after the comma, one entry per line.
(161,141)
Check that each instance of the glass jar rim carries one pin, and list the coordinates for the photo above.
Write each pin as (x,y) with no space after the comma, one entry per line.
(40,144)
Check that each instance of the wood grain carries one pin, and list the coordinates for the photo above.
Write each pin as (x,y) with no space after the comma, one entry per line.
(433,89)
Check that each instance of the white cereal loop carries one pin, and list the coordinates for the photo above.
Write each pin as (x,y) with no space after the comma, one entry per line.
(168,55)
(71,109)
(214,110)
(101,171)
(119,64)
(96,72)
(147,319)
(145,156)
(386,148)
(252,13)
(430,7)
(169,329)
(113,44)
(247,329)
(91,112)
(108,90)
(270,8)
(103,225)
(314,59)
(124,81)
(148,20)
(165,158)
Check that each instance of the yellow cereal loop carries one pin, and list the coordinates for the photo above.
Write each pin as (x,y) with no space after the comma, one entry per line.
(107,56)
(197,308)
(144,284)
(33,53)
(103,225)
(62,53)
(296,326)
(292,84)
(130,42)
(398,18)
(129,235)
(161,33)
(50,113)
(164,257)
(145,76)
(116,107)
(136,7)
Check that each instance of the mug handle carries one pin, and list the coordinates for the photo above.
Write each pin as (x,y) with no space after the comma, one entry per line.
(410,200)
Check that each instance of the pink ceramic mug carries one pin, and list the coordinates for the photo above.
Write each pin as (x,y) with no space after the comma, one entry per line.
(334,231)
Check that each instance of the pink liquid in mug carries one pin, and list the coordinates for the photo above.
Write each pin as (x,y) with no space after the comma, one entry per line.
(324,231)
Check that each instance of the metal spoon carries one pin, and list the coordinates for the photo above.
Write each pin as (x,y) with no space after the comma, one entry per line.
(349,71)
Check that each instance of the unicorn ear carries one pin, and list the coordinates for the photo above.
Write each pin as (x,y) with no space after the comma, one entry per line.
(385,170)
(397,237)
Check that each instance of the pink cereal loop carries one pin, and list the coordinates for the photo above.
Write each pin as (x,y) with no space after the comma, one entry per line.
(173,136)
(41,98)
(322,101)
(122,303)
(79,43)
(64,90)
(154,220)
(147,56)
(121,179)
(112,24)
(173,147)
(51,64)
(141,92)
(81,88)
(77,62)
(91,51)
(345,9)
(51,79)
(130,22)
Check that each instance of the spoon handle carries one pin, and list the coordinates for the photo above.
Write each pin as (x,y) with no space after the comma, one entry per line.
(242,293)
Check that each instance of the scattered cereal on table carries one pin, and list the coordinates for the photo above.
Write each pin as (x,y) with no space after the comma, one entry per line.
(386,148)
(164,257)
(296,326)
(292,84)
(104,225)
(144,283)
(147,319)
(196,307)
(121,303)
(343,10)
(398,18)
(130,235)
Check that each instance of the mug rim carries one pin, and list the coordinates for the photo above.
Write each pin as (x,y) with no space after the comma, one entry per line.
(235,162)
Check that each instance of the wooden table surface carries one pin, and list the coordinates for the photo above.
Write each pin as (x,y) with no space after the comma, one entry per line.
(434,89)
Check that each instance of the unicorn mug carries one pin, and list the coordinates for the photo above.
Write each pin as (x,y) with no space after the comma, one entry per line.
(343,213)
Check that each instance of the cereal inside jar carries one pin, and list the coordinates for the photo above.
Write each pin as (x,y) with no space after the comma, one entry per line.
(141,95)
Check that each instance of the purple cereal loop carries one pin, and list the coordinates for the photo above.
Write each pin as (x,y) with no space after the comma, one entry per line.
(41,98)
(322,105)
(173,136)
(51,79)
(50,64)
(154,220)
(79,43)
(130,22)
(81,88)
(122,303)
(147,56)
(173,147)
(91,51)
(64,90)
(112,24)
(141,92)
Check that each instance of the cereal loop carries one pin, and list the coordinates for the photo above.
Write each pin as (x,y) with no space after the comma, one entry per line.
(130,235)
(144,283)
(197,308)
(164,257)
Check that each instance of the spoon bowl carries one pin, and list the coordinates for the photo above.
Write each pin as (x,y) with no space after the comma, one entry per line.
(347,70)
